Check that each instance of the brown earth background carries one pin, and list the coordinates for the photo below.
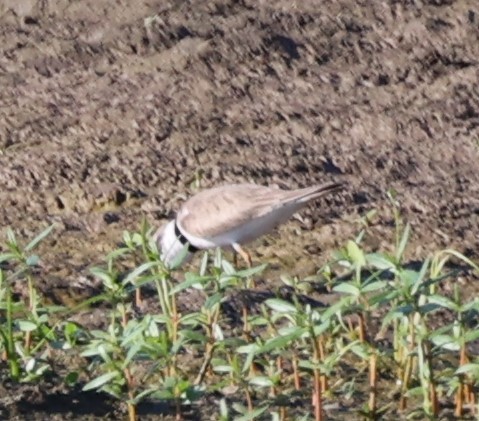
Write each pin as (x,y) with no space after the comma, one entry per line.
(110,111)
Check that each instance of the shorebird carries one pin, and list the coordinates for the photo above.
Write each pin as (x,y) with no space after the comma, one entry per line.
(232,215)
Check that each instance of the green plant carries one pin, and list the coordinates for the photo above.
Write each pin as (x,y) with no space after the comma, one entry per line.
(27,328)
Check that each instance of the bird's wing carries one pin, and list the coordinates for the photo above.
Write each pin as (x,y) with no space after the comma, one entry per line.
(222,209)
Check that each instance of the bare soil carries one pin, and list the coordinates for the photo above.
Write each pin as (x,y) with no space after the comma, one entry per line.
(110,111)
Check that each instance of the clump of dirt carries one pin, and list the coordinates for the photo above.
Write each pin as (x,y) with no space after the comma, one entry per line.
(110,111)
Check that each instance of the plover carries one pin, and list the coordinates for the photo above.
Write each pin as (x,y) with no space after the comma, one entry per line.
(232,215)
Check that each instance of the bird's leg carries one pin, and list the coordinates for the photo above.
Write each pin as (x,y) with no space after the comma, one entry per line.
(244,254)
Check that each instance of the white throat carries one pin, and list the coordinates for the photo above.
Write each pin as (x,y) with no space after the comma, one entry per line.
(171,247)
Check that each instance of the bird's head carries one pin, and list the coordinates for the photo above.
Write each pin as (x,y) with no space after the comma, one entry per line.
(170,247)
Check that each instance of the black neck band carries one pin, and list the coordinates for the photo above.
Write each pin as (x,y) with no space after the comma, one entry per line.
(183,240)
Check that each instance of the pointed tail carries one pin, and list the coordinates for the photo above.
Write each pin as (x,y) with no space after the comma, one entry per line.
(310,193)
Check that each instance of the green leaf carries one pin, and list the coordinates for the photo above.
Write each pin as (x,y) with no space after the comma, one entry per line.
(90,352)
(7,256)
(70,328)
(138,398)
(137,238)
(361,350)
(287,280)
(420,277)
(103,350)
(397,313)
(228,268)
(213,300)
(246,273)
(252,415)
(319,329)
(224,410)
(71,378)
(472,335)
(469,369)
(100,381)
(251,351)
(428,308)
(32,244)
(33,260)
(415,391)
(204,264)
(347,288)
(30,365)
(177,262)
(247,349)
(261,381)
(380,261)
(218,258)
(103,275)
(443,302)
(374,286)
(355,253)
(460,256)
(471,305)
(281,341)
(11,237)
(26,325)
(129,279)
(147,279)
(192,319)
(446,342)
(191,279)
(165,394)
(191,335)
(223,369)
(100,334)
(403,242)
(336,308)
(127,238)
(131,354)
(218,332)
(281,306)
(117,253)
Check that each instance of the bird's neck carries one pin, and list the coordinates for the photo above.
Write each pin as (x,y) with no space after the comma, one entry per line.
(183,240)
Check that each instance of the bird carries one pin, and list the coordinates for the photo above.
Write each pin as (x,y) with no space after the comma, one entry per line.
(231,215)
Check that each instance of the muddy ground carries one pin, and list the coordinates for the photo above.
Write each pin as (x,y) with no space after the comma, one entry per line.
(110,111)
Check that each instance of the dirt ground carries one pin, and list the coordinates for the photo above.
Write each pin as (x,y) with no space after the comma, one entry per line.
(109,112)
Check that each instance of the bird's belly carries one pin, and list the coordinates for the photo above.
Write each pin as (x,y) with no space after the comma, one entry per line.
(255,228)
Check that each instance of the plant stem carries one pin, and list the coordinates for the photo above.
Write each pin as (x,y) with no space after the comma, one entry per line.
(362,328)
(317,395)
(432,384)
(409,365)
(406,375)
(10,343)
(297,380)
(463,391)
(248,399)
(138,299)
(178,416)
(372,383)
(206,363)
(131,411)
(324,379)
(317,399)
(246,327)
(31,308)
